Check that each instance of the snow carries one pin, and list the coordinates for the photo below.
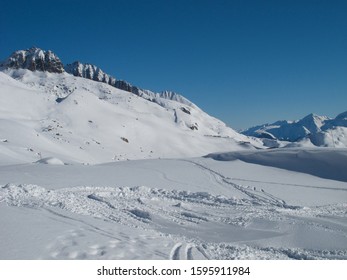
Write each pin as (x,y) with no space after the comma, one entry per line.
(79,120)
(50,160)
(173,208)
(88,171)
(326,163)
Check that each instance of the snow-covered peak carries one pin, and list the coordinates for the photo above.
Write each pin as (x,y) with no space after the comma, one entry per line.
(339,121)
(312,122)
(309,117)
(34,59)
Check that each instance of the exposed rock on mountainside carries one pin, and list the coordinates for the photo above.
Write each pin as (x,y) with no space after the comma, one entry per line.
(94,73)
(89,71)
(34,59)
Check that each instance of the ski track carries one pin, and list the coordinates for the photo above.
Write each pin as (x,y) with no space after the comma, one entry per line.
(258,197)
(190,252)
(152,209)
(291,185)
(175,252)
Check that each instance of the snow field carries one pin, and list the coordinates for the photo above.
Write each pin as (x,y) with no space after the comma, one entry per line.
(178,220)
(72,185)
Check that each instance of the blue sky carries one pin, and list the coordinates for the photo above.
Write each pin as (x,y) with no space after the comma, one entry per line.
(246,62)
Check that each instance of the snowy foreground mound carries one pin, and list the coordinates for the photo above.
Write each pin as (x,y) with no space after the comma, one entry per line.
(225,206)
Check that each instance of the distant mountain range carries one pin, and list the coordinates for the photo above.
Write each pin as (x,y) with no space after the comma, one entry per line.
(317,130)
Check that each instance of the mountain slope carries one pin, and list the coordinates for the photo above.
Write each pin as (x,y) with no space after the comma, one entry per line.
(36,59)
(78,120)
(94,73)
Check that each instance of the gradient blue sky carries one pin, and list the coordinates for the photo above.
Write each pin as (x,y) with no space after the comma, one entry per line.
(246,62)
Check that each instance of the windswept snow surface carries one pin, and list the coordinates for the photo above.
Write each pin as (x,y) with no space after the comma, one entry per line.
(220,207)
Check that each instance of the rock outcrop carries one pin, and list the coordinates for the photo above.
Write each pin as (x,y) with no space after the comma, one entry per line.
(34,59)
(89,71)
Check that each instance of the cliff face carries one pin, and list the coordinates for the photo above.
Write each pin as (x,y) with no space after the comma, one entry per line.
(89,71)
(34,59)
(94,73)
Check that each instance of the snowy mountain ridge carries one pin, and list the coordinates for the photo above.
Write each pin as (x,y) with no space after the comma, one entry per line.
(48,114)
(36,59)
(313,129)
(94,73)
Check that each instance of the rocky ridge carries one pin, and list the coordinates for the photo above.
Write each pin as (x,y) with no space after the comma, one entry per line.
(36,59)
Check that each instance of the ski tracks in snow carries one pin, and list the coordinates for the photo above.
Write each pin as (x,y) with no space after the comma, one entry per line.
(172,215)
(258,197)
(188,251)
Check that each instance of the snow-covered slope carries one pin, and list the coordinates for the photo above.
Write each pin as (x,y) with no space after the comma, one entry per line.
(92,72)
(229,207)
(58,115)
(310,130)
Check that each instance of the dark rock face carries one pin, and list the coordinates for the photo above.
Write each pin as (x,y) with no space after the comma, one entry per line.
(124,85)
(90,72)
(34,59)
(94,73)
(185,110)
